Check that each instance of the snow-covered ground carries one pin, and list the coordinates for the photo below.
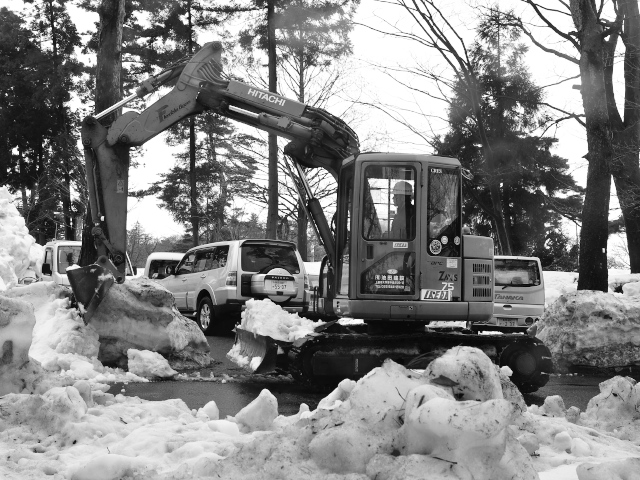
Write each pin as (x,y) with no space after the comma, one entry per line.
(459,419)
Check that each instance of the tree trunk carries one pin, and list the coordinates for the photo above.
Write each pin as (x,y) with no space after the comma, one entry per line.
(108,91)
(272,212)
(595,213)
(625,168)
(195,223)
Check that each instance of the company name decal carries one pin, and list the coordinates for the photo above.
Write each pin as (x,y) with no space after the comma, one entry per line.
(162,116)
(269,97)
(509,297)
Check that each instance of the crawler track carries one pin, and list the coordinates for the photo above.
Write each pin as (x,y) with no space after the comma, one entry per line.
(330,357)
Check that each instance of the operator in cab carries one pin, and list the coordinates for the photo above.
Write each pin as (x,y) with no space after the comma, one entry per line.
(403,225)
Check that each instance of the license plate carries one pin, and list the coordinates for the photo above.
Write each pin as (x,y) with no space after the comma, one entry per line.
(507,322)
(278,285)
(438,295)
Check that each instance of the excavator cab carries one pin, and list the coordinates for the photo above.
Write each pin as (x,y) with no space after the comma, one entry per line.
(400,247)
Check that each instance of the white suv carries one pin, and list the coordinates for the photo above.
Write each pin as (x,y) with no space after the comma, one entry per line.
(215,280)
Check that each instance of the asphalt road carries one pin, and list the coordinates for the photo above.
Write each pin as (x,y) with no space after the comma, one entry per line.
(232,388)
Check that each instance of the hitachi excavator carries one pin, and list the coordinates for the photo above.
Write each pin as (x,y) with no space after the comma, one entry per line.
(397,256)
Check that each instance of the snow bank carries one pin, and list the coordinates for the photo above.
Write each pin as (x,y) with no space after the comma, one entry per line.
(60,341)
(393,424)
(594,329)
(18,373)
(141,314)
(18,249)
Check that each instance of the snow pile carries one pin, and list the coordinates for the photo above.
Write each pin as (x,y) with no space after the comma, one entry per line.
(616,410)
(149,364)
(558,283)
(18,374)
(593,329)
(394,424)
(18,249)
(141,314)
(60,341)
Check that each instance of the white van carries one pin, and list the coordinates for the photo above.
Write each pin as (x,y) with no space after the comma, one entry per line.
(518,294)
(214,281)
(60,255)
(157,263)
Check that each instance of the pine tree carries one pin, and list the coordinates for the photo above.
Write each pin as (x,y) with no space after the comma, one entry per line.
(535,188)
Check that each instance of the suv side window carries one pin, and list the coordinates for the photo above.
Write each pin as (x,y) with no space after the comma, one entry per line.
(217,258)
(202,257)
(186,264)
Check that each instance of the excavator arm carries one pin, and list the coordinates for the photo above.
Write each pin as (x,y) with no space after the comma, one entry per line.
(317,139)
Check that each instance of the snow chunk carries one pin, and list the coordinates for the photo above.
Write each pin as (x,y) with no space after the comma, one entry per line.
(468,374)
(149,364)
(592,328)
(269,319)
(259,414)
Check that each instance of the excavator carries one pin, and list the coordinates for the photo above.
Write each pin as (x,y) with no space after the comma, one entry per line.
(397,254)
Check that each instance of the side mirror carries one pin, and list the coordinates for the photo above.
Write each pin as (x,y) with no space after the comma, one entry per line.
(135,270)
(46,269)
(170,270)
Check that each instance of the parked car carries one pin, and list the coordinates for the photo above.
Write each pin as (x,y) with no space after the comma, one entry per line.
(157,263)
(214,281)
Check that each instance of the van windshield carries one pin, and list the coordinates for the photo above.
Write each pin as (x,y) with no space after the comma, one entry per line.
(514,272)
(67,255)
(257,257)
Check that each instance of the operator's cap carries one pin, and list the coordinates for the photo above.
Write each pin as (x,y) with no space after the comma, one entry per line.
(402,188)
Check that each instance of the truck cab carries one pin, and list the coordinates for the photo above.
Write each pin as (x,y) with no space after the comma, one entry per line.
(62,254)
(58,256)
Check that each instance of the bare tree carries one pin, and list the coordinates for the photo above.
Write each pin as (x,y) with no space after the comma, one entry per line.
(436,32)
(613,139)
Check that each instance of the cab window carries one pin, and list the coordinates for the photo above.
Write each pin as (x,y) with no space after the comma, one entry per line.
(388,205)
(186,264)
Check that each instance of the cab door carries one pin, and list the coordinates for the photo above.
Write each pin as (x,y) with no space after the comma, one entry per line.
(388,222)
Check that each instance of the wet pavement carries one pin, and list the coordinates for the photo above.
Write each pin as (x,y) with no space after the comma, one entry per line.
(232,388)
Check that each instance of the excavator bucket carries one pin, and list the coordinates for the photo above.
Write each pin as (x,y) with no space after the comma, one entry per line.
(260,349)
(90,284)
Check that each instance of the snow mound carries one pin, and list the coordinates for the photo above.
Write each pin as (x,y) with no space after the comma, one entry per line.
(18,373)
(616,409)
(141,314)
(593,329)
(18,249)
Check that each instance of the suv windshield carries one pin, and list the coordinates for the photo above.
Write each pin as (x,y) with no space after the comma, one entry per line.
(256,257)
(523,273)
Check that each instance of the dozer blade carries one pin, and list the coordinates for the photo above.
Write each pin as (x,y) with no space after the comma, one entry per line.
(256,346)
(90,284)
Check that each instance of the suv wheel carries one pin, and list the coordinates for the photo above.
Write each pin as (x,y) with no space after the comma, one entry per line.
(205,316)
